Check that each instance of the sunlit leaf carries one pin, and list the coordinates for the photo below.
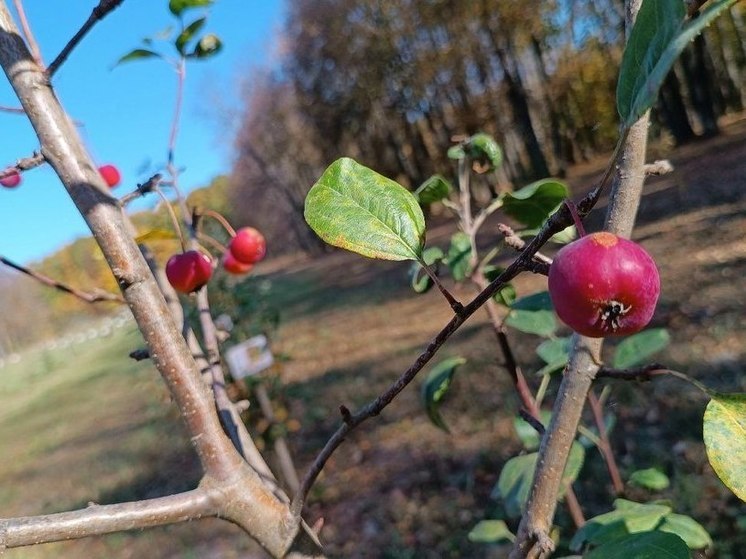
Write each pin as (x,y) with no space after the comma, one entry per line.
(177,7)
(189,32)
(636,349)
(688,529)
(207,46)
(490,531)
(533,204)
(436,386)
(433,190)
(483,147)
(156,235)
(657,38)
(357,209)
(724,433)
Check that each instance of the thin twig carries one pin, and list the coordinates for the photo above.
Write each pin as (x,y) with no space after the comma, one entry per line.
(14,110)
(30,40)
(142,189)
(36,160)
(217,217)
(97,297)
(174,219)
(556,223)
(604,445)
(104,8)
(514,241)
(641,374)
(452,301)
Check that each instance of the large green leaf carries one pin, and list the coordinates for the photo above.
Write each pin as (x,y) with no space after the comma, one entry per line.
(432,190)
(490,531)
(355,208)
(688,529)
(724,432)
(436,386)
(189,32)
(533,204)
(177,7)
(459,254)
(514,483)
(636,349)
(646,545)
(657,38)
(533,314)
(627,518)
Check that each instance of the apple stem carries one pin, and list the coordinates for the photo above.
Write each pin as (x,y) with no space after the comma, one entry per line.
(220,219)
(575,216)
(174,219)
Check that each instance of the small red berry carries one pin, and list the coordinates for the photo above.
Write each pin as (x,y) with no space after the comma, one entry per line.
(189,271)
(111,175)
(248,246)
(12,180)
(234,266)
(604,285)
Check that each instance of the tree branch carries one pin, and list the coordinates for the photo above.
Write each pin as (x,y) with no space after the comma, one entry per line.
(96,297)
(24,164)
(105,519)
(104,8)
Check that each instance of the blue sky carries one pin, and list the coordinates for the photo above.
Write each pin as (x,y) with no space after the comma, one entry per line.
(126,112)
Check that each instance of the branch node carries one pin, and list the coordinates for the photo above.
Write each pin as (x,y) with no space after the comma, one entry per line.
(346,414)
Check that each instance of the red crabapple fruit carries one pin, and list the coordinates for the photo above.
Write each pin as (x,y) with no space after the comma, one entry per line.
(111,175)
(234,266)
(12,180)
(189,271)
(248,246)
(603,285)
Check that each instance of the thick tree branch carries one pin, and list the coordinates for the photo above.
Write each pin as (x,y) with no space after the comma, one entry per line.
(105,519)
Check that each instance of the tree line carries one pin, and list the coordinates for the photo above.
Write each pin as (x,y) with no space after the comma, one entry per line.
(392,83)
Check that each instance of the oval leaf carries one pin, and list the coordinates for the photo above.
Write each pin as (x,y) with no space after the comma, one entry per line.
(483,147)
(636,349)
(724,433)
(533,204)
(651,478)
(433,190)
(207,46)
(646,545)
(688,529)
(357,209)
(458,255)
(137,54)
(420,280)
(435,387)
(533,314)
(491,531)
(656,40)
(186,35)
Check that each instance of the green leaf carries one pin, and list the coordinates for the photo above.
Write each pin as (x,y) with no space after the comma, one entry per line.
(458,255)
(483,147)
(636,349)
(555,353)
(137,54)
(724,433)
(506,295)
(650,478)
(357,209)
(490,531)
(657,38)
(433,190)
(533,204)
(688,529)
(647,545)
(514,483)
(177,7)
(456,152)
(420,280)
(436,386)
(627,518)
(528,435)
(534,315)
(189,32)
(207,46)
